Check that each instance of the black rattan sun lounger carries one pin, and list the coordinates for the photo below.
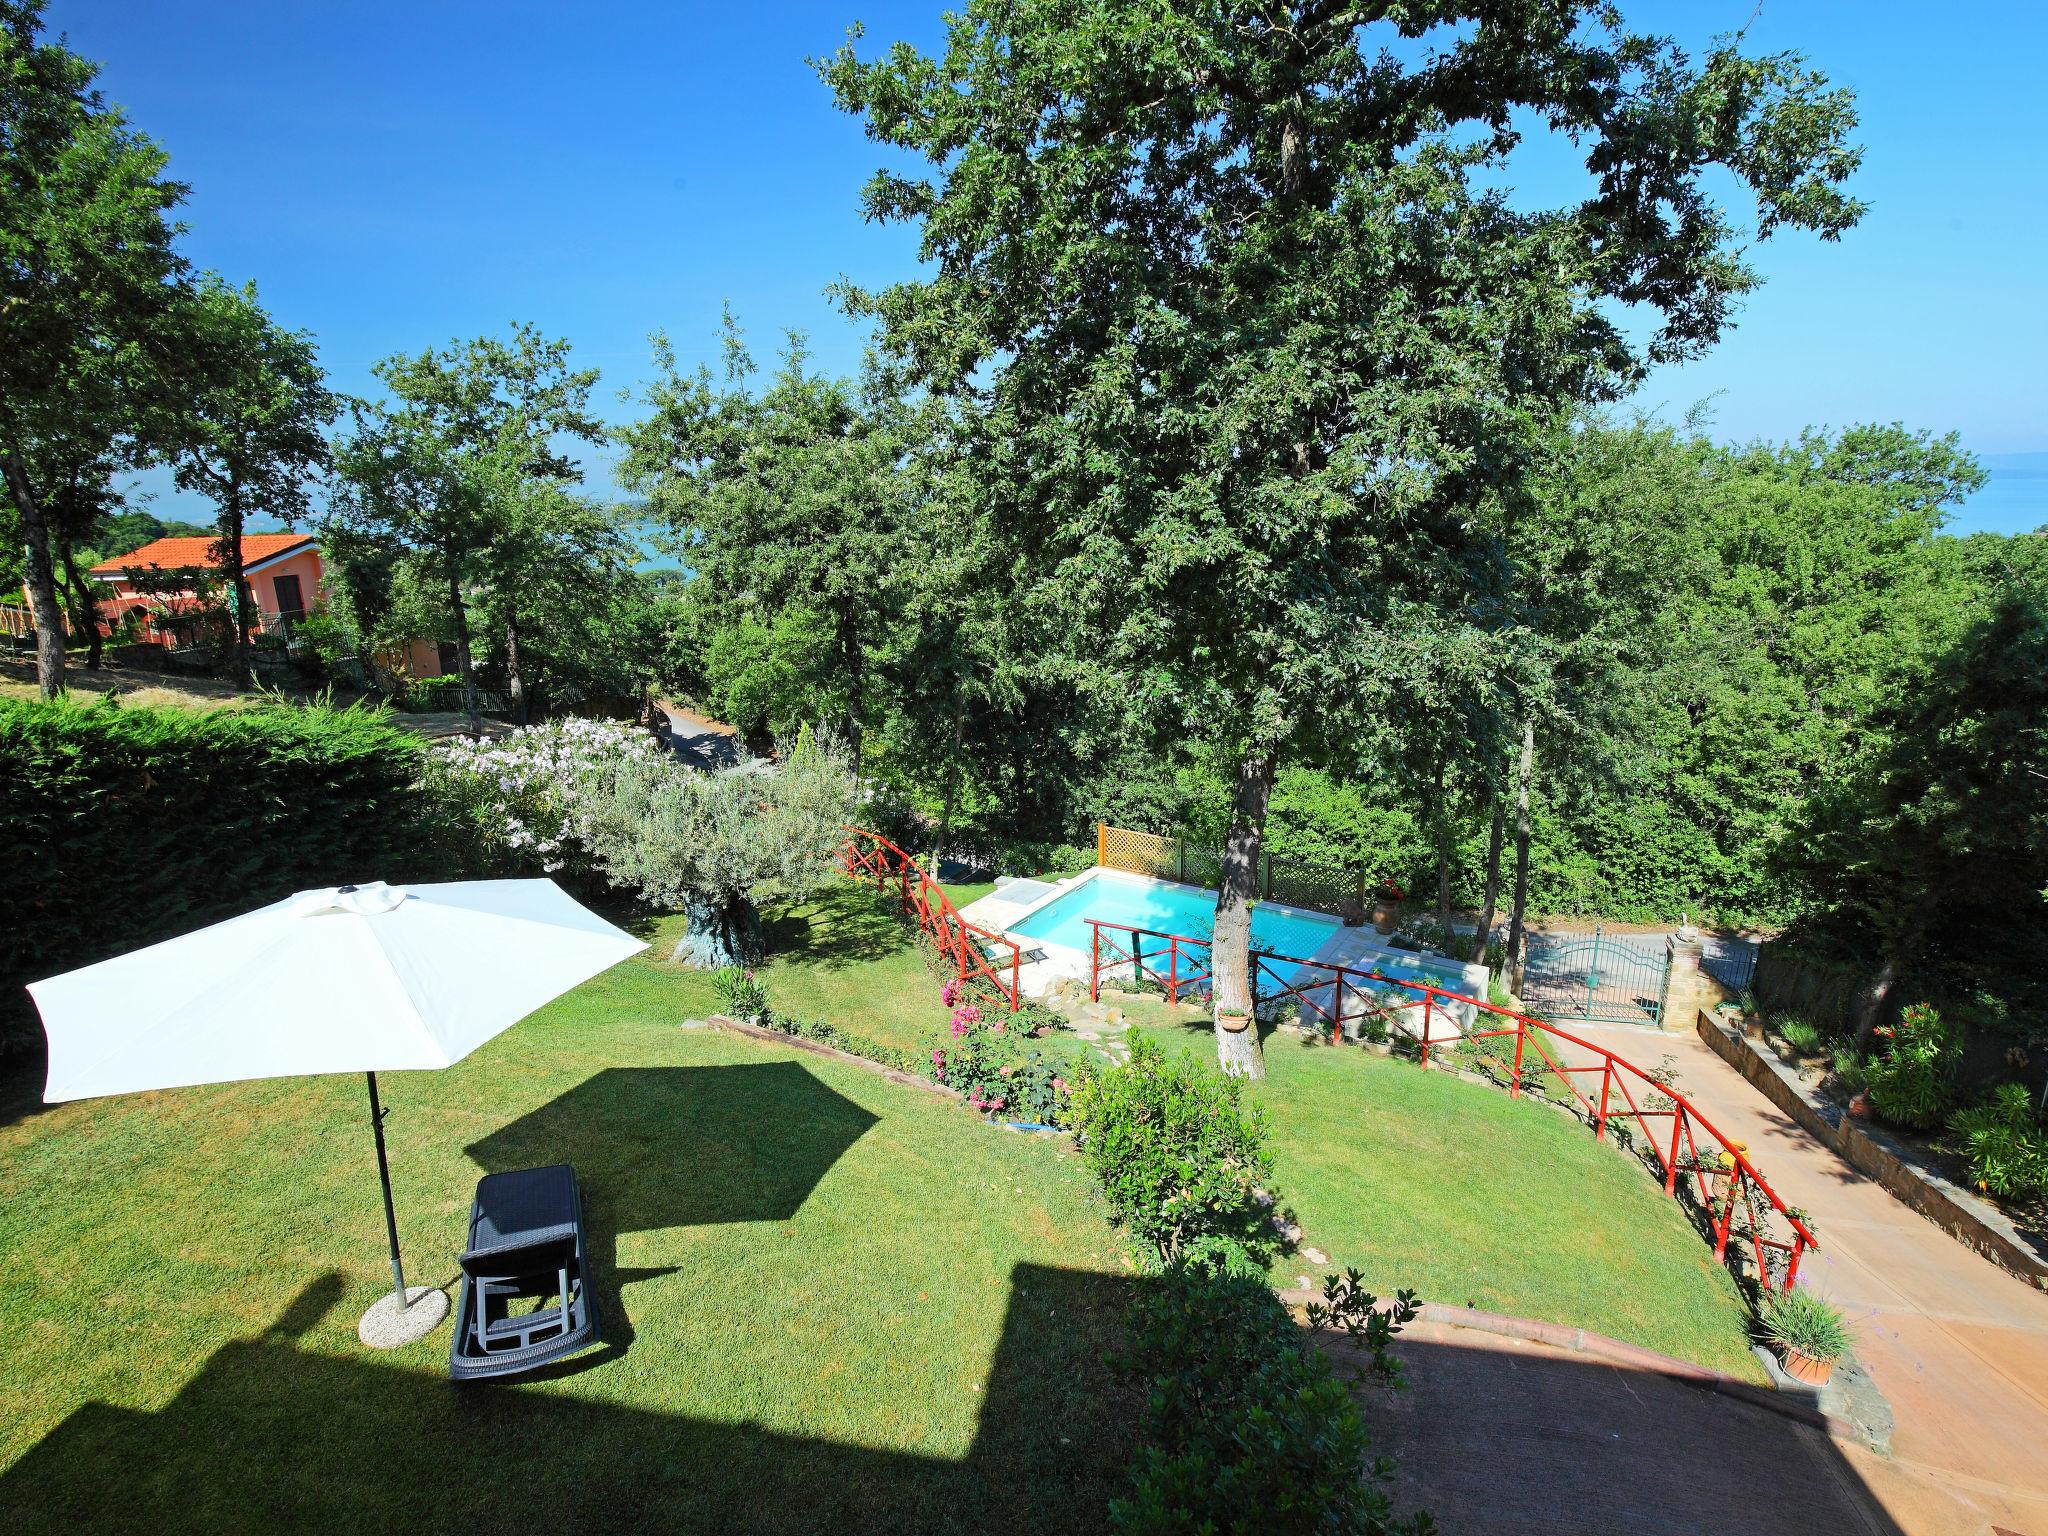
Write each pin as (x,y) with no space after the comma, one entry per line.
(525,1245)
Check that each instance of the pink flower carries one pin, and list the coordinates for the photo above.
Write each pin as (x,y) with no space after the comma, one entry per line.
(995,1029)
(1006,1071)
(959,1029)
(1059,1085)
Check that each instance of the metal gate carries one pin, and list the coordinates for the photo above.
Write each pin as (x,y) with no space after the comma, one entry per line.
(1605,979)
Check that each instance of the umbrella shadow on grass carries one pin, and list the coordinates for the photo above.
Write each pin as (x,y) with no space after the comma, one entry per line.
(278,1433)
(662,1147)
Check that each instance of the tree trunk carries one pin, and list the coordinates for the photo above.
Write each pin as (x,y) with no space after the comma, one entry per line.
(88,610)
(42,580)
(720,931)
(515,685)
(1237,1051)
(852,653)
(1520,908)
(952,794)
(1494,838)
(239,601)
(460,613)
(1443,861)
(1900,954)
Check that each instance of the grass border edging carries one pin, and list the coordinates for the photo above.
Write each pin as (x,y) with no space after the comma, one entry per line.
(1977,1226)
(819,1048)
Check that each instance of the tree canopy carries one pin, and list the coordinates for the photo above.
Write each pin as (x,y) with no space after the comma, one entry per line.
(1241,336)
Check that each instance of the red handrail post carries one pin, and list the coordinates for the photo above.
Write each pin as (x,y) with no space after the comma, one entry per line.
(1792,1269)
(1727,1218)
(1016,968)
(1606,1082)
(1095,964)
(1427,998)
(1671,1162)
(1521,1039)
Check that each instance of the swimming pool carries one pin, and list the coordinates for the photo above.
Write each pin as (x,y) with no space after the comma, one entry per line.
(1162,908)
(1159,907)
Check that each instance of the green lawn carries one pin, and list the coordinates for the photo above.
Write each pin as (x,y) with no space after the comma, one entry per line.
(1453,1189)
(831,1303)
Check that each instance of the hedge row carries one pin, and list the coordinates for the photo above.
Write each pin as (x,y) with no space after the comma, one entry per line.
(120,827)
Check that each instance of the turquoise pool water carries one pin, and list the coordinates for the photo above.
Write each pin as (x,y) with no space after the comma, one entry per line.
(1162,908)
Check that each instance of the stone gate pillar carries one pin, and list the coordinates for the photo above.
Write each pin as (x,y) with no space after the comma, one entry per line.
(1683,981)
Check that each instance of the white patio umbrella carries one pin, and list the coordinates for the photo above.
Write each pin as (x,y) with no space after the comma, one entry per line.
(372,978)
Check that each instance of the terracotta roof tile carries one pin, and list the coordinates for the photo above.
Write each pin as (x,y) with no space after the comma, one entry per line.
(185,554)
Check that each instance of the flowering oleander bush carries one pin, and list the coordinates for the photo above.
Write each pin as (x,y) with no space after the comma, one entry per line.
(524,801)
(1913,1083)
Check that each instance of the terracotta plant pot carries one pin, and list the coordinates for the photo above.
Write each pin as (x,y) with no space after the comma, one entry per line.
(1385,916)
(1859,1106)
(1236,1023)
(1801,1366)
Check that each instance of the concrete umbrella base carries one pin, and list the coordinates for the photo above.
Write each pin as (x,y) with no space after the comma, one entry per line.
(389,1326)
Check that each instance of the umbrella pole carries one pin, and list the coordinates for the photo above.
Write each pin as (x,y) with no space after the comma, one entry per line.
(377,1113)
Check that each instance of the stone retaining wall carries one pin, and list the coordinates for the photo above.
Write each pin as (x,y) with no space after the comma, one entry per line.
(1904,1171)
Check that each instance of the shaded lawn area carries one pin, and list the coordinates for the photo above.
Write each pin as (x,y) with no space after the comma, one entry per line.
(830,1302)
(1464,1195)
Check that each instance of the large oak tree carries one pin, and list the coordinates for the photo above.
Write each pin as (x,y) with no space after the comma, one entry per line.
(1247,335)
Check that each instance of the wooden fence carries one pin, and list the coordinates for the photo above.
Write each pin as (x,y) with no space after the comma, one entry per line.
(1283,880)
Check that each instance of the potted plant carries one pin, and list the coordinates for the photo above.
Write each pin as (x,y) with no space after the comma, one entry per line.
(1386,909)
(1809,1334)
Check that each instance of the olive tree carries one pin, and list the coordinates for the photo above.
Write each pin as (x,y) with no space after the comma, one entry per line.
(718,845)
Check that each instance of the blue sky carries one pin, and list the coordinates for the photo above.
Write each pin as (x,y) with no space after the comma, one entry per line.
(395,176)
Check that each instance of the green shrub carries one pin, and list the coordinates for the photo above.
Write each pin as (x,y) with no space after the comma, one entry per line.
(443,692)
(1248,1429)
(740,993)
(1798,1319)
(124,826)
(1804,1038)
(2006,1144)
(1913,1083)
(1181,1156)
(1850,1069)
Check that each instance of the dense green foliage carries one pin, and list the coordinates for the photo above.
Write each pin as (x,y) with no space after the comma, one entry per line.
(1182,1158)
(718,844)
(140,824)
(1248,1428)
(2006,1144)
(1238,349)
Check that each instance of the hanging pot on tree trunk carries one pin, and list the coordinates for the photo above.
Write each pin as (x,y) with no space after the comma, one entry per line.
(1236,1023)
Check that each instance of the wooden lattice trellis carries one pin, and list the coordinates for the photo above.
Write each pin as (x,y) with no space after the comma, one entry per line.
(1282,880)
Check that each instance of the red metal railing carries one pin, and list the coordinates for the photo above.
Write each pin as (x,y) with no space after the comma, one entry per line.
(1719,1186)
(869,853)
(1114,954)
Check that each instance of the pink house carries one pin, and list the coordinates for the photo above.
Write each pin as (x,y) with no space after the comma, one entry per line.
(283,579)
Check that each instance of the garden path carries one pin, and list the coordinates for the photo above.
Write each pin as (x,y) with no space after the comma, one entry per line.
(1958,1346)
